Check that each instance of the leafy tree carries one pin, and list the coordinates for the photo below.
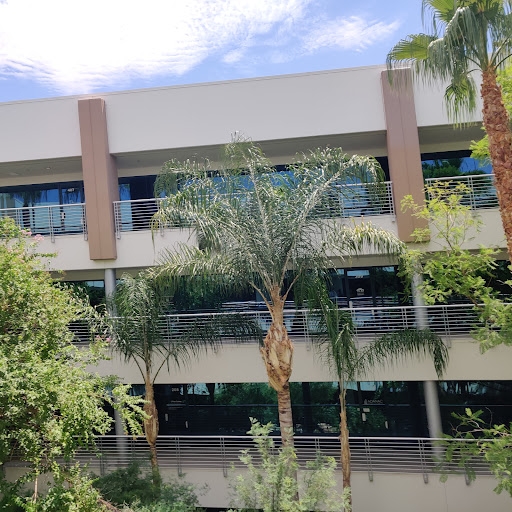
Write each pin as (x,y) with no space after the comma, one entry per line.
(336,342)
(140,335)
(492,443)
(265,230)
(467,36)
(452,271)
(270,486)
(50,405)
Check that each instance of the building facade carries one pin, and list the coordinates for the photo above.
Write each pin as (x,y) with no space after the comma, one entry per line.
(80,170)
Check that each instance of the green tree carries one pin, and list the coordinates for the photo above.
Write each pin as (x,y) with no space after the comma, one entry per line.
(264,230)
(336,342)
(492,443)
(467,36)
(452,271)
(140,334)
(50,405)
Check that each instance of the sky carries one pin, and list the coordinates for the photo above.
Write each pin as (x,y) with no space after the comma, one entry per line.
(64,47)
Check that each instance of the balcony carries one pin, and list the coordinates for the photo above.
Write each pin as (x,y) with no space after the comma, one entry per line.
(481,192)
(50,221)
(368,454)
(360,200)
(453,321)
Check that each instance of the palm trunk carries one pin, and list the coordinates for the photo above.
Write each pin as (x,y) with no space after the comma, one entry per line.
(497,126)
(344,441)
(151,428)
(277,353)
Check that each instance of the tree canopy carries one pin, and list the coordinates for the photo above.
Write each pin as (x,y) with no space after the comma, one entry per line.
(50,404)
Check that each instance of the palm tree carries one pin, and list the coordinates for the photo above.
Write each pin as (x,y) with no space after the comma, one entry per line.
(266,230)
(140,334)
(337,345)
(467,36)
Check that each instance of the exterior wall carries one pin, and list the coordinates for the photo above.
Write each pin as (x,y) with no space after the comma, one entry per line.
(388,492)
(243,363)
(345,101)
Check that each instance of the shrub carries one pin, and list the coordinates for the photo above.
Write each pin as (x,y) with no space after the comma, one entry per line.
(133,487)
(271,484)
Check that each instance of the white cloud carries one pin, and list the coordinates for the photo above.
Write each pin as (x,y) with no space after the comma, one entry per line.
(79,45)
(353,33)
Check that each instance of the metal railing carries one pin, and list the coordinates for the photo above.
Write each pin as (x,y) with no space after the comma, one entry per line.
(368,454)
(353,200)
(481,192)
(449,321)
(52,221)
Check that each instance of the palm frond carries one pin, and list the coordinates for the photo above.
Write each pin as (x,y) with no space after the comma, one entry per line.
(460,96)
(359,239)
(400,345)
(333,334)
(256,225)
(465,35)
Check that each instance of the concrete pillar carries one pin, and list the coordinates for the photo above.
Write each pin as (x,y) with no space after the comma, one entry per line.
(110,284)
(403,144)
(100,179)
(435,426)
(110,288)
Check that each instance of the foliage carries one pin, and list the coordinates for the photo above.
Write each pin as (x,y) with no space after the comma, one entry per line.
(480,149)
(492,443)
(265,230)
(133,486)
(68,492)
(254,225)
(270,485)
(337,344)
(140,334)
(452,271)
(50,404)
(462,35)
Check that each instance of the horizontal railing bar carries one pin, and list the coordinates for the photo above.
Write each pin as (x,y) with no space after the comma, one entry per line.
(361,199)
(462,177)
(42,207)
(399,440)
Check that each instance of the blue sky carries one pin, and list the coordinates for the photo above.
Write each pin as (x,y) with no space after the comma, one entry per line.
(61,47)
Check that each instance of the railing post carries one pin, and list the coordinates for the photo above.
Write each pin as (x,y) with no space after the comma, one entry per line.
(84,222)
(472,200)
(102,457)
(446,320)
(117,219)
(50,224)
(390,198)
(421,446)
(223,456)
(178,456)
(368,453)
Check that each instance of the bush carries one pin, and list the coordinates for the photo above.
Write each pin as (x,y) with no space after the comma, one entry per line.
(272,485)
(133,487)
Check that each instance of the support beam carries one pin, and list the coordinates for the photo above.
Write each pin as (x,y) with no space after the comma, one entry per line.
(435,425)
(404,156)
(100,179)
(110,283)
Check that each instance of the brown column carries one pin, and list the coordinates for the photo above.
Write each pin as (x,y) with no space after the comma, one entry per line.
(100,179)
(403,150)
